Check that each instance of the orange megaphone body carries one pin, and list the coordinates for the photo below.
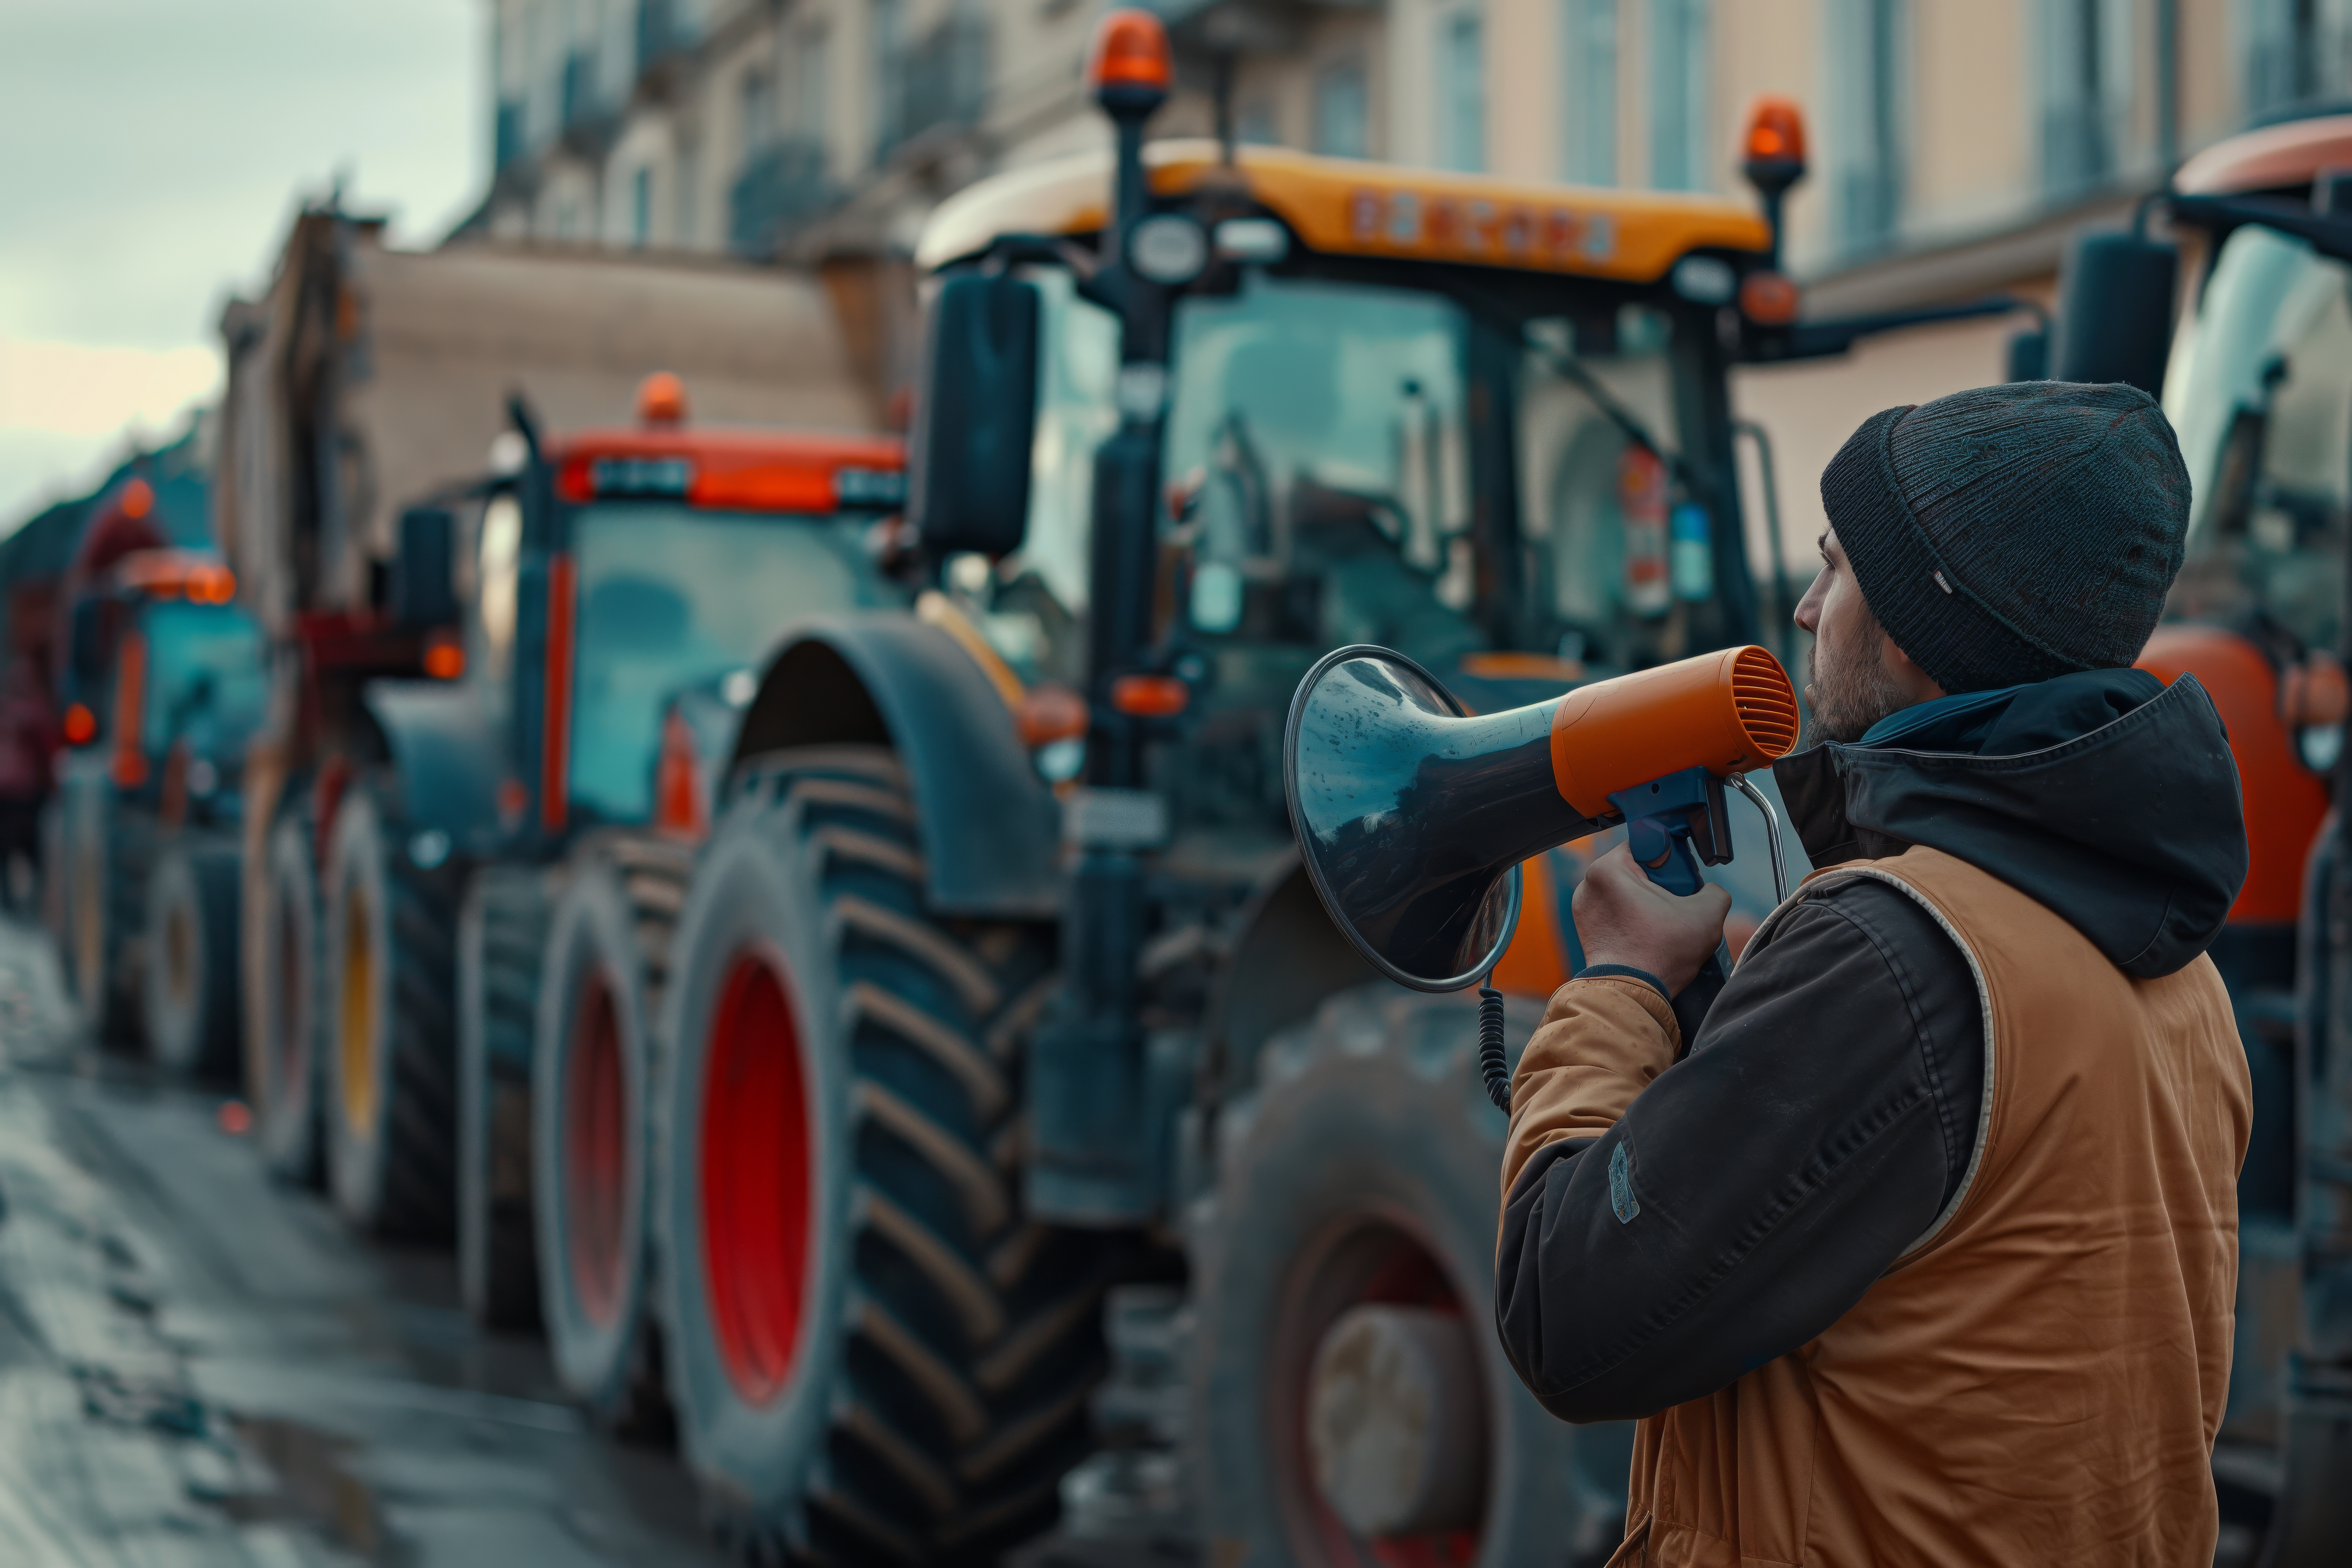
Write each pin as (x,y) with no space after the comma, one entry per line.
(1728,712)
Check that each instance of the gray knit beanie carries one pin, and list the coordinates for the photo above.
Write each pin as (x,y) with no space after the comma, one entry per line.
(2013,533)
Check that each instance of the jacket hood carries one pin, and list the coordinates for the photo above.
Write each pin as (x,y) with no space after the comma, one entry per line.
(2107,797)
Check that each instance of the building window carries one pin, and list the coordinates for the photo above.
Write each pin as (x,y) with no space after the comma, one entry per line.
(685,214)
(1588,113)
(641,206)
(1342,111)
(1256,126)
(2086,62)
(757,111)
(1866,125)
(811,105)
(1679,68)
(1462,89)
(889,73)
(2288,48)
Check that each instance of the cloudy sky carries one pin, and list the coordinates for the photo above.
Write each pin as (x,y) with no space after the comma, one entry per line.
(155,152)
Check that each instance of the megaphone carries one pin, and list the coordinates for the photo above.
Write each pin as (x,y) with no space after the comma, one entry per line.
(1412,815)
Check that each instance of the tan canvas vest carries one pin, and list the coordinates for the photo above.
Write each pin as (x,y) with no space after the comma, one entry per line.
(2039,1379)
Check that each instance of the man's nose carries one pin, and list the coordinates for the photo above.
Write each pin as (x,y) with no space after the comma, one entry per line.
(1808,608)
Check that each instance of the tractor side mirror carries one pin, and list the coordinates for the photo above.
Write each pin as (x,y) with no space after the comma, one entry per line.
(2115,299)
(424,591)
(975,418)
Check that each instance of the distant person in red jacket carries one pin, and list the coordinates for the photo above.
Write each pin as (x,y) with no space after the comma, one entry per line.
(28,744)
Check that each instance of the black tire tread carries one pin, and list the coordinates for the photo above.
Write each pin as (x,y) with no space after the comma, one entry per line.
(294,1150)
(420,1122)
(974,1333)
(652,869)
(513,932)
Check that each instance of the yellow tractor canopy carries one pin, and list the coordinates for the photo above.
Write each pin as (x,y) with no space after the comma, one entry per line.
(1346,207)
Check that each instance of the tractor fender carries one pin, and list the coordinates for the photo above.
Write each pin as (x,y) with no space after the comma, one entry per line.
(445,751)
(989,828)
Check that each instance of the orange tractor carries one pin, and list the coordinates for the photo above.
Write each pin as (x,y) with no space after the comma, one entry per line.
(2242,321)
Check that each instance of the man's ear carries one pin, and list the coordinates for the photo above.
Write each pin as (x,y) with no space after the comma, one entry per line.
(1915,682)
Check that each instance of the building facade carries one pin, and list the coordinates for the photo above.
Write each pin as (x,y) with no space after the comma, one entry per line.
(1955,144)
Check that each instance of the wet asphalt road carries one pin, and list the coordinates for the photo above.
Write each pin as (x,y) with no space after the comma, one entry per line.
(199,1366)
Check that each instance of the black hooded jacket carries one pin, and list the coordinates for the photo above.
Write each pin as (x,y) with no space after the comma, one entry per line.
(1830,1100)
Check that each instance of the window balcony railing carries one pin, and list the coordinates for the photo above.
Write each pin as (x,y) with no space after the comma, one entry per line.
(938,81)
(782,185)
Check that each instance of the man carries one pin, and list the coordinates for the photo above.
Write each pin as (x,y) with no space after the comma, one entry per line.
(1922,1251)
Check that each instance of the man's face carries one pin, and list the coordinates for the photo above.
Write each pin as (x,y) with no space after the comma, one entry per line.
(1848,685)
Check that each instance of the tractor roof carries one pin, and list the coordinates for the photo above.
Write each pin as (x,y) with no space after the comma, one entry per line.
(746,470)
(1345,207)
(2285,157)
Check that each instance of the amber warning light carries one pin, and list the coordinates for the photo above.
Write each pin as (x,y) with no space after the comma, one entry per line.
(1130,51)
(1776,133)
(661,400)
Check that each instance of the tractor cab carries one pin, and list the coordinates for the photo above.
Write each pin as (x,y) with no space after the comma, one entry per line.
(1481,423)
(164,682)
(626,580)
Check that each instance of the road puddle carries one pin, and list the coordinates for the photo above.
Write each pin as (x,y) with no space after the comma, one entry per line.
(314,1485)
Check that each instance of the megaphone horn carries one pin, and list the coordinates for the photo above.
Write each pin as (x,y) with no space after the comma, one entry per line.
(1412,815)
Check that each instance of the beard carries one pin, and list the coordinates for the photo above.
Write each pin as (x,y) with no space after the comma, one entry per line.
(1846,695)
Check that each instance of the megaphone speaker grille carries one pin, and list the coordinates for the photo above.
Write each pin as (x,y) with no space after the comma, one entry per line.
(1761,697)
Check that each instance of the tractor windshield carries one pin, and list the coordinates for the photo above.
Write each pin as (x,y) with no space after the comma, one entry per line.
(2260,389)
(1328,473)
(671,596)
(205,684)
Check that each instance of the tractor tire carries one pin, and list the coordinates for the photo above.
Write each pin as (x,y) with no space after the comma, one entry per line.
(285,1071)
(189,985)
(608,952)
(107,851)
(502,935)
(1345,1255)
(873,1356)
(391,1113)
(53,878)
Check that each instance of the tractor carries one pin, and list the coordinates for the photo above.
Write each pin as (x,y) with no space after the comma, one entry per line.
(489,732)
(2241,321)
(997,1009)
(161,683)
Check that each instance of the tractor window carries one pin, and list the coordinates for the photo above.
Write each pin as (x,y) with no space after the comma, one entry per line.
(1614,547)
(672,597)
(1078,356)
(2260,392)
(205,680)
(1317,436)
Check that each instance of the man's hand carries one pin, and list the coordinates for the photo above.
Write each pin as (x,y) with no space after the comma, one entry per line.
(1622,917)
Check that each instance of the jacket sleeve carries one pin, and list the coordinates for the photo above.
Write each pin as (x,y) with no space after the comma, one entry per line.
(1668,1225)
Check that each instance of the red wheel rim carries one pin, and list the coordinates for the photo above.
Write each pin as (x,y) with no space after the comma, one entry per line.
(1370,1261)
(755,1179)
(595,1151)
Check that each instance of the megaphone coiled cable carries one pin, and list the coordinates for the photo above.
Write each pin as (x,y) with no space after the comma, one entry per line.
(1491,1063)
